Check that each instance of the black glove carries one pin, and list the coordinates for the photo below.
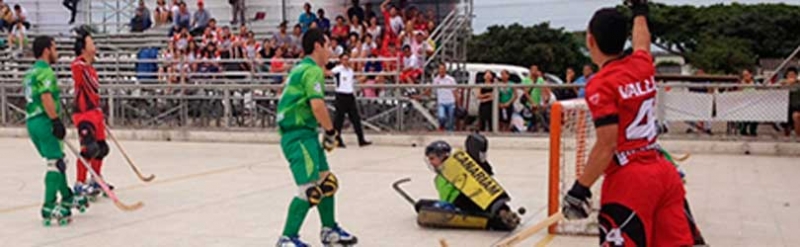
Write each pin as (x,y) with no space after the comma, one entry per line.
(639,7)
(58,129)
(329,141)
(576,202)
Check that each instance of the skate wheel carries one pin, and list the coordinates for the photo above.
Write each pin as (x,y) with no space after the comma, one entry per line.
(82,209)
(47,222)
(64,221)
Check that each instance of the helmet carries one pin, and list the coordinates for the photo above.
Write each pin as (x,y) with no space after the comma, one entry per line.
(476,145)
(439,148)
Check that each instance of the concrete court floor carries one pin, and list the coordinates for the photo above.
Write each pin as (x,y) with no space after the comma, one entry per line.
(220,194)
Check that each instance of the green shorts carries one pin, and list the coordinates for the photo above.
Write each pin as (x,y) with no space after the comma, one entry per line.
(40,130)
(305,155)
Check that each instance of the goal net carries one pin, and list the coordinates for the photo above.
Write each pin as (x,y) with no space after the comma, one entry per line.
(571,138)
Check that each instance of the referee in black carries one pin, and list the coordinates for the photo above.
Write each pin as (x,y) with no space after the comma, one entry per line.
(346,100)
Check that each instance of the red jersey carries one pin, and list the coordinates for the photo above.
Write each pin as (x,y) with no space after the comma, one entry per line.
(86,86)
(623,92)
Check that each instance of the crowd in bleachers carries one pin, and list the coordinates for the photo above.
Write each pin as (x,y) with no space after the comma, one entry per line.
(395,41)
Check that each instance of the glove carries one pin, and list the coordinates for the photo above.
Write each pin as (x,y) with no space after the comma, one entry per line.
(576,202)
(58,129)
(329,141)
(639,7)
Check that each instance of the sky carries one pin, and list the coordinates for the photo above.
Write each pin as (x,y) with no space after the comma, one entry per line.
(572,15)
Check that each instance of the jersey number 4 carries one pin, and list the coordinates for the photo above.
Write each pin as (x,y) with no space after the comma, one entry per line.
(644,125)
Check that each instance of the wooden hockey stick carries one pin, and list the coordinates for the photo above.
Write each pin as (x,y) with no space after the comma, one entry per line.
(128,159)
(103,185)
(684,158)
(527,233)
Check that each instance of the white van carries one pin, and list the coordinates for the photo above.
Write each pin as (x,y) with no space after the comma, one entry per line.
(476,72)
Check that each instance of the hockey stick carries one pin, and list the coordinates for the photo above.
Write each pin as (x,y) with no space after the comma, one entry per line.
(102,182)
(525,234)
(684,158)
(128,158)
(396,186)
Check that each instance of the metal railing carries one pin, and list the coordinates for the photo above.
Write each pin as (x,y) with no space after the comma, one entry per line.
(229,106)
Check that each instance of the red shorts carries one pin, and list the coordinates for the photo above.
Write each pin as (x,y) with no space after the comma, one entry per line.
(410,74)
(95,118)
(642,204)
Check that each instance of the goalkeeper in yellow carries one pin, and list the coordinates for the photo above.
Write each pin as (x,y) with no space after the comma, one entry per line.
(301,112)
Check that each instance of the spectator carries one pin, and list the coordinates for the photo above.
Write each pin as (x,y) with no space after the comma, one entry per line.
(356,27)
(507,96)
(420,45)
(392,19)
(192,54)
(748,128)
(340,31)
(537,99)
(201,19)
(588,71)
(412,68)
(323,23)
(702,126)
(368,46)
(354,47)
(140,22)
(72,6)
(238,10)
(372,92)
(6,17)
(390,54)
(182,39)
(307,17)
(374,29)
(209,67)
(278,65)
(145,12)
(162,13)
(355,10)
(485,97)
(282,38)
(373,66)
(794,100)
(226,41)
(244,32)
(346,104)
(250,49)
(209,38)
(296,45)
(182,18)
(567,93)
(407,35)
(18,36)
(445,99)
(266,52)
(336,49)
(174,8)
(21,15)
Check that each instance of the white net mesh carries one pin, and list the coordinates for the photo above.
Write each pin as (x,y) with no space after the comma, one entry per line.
(577,137)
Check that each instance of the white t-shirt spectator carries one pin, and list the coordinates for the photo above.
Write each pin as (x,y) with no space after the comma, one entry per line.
(18,31)
(356,29)
(397,24)
(444,95)
(366,49)
(338,50)
(344,79)
(375,32)
(412,62)
(23,12)
(250,50)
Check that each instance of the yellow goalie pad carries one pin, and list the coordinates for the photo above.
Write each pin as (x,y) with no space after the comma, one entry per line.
(440,218)
(469,178)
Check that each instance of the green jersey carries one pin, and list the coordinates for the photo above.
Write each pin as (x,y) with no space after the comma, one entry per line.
(536,93)
(39,80)
(506,94)
(305,82)
(447,192)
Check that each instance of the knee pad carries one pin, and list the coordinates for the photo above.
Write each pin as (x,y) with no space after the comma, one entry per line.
(58,165)
(103,150)
(310,193)
(90,149)
(329,185)
(618,223)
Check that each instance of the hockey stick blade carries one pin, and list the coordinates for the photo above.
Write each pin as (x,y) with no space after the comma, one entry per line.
(102,183)
(396,186)
(128,159)
(684,158)
(518,237)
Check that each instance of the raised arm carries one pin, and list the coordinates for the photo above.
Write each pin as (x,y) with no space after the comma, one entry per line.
(641,33)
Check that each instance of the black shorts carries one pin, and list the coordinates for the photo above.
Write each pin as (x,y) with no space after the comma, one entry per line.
(506,113)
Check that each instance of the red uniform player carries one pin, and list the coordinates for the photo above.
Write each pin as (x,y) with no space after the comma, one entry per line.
(642,201)
(87,113)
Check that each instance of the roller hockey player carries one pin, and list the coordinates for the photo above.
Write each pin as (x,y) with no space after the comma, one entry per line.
(47,131)
(87,114)
(455,209)
(300,112)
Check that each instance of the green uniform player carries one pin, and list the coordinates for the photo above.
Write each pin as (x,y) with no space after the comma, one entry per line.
(46,131)
(300,112)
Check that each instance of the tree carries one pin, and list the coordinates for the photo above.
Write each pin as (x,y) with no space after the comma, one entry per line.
(553,50)
(726,38)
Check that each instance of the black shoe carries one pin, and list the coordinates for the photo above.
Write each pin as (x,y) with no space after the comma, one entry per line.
(364,143)
(341,145)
